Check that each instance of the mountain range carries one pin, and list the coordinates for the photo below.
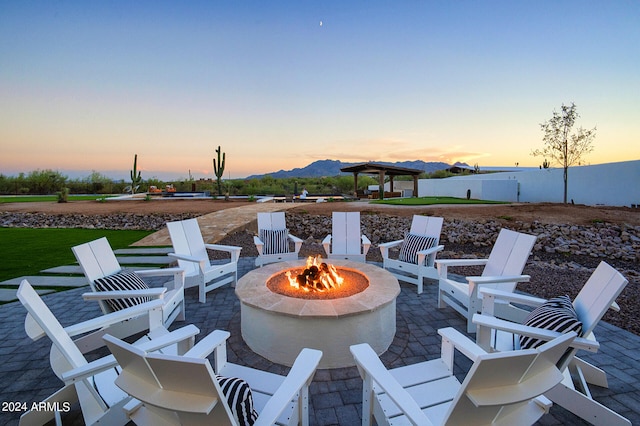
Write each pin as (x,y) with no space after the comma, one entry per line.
(332,168)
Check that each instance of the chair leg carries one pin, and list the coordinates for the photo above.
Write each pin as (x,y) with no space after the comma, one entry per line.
(585,407)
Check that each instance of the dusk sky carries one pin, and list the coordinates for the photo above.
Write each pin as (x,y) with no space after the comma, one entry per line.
(279,84)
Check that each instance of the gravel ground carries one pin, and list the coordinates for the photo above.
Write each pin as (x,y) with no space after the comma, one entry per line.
(552,274)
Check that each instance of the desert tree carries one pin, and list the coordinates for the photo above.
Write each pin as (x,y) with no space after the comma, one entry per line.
(562,145)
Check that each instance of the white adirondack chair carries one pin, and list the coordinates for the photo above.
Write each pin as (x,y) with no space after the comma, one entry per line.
(177,390)
(346,240)
(415,273)
(500,388)
(92,383)
(594,299)
(274,222)
(502,271)
(191,253)
(97,260)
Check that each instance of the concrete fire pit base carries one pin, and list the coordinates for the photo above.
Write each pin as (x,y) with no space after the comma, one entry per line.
(277,327)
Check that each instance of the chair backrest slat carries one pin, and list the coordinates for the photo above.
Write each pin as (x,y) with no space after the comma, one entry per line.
(42,315)
(426,226)
(594,299)
(508,257)
(97,260)
(271,221)
(345,233)
(182,245)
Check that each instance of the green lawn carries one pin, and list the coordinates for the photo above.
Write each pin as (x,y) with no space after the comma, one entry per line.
(41,198)
(425,201)
(27,251)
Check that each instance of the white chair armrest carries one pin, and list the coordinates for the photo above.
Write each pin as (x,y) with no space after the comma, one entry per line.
(299,377)
(499,279)
(109,361)
(157,292)
(453,339)
(326,244)
(178,275)
(259,244)
(206,346)
(390,244)
(297,243)
(159,272)
(372,369)
(384,247)
(234,251)
(523,299)
(219,247)
(366,244)
(494,323)
(295,239)
(444,264)
(431,250)
(423,255)
(462,262)
(113,318)
(185,257)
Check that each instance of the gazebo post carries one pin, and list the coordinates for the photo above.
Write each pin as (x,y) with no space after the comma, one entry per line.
(415,186)
(381,185)
(390,183)
(355,184)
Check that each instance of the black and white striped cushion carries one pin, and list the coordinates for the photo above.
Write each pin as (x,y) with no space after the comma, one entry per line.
(555,314)
(412,244)
(239,398)
(275,241)
(122,281)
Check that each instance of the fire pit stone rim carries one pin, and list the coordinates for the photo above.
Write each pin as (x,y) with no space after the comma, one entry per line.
(383,289)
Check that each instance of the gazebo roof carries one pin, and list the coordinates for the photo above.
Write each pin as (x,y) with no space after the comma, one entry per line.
(376,168)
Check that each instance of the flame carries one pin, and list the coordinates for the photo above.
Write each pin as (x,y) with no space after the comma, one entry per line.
(316,276)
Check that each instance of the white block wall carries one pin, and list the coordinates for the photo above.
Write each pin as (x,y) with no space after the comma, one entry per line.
(611,184)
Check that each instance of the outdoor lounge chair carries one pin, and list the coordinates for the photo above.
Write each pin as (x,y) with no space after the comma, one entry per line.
(99,263)
(500,388)
(507,333)
(416,260)
(191,253)
(92,383)
(272,241)
(346,240)
(181,390)
(502,270)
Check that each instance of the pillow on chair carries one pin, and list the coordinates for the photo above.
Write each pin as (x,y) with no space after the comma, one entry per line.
(122,281)
(555,314)
(412,244)
(239,398)
(275,241)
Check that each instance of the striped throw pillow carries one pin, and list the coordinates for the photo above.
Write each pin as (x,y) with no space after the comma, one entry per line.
(122,281)
(239,398)
(275,241)
(555,314)
(412,244)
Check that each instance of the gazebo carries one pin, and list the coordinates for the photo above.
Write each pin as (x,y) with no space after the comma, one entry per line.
(383,170)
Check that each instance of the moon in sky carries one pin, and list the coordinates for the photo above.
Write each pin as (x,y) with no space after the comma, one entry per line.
(320,23)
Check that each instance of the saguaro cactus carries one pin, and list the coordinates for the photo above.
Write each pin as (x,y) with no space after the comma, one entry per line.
(135,175)
(219,169)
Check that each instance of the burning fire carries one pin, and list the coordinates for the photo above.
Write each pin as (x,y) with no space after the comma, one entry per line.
(316,276)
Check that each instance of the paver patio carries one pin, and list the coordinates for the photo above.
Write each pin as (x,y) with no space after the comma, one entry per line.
(335,394)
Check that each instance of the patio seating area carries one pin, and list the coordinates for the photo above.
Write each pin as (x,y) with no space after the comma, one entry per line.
(335,394)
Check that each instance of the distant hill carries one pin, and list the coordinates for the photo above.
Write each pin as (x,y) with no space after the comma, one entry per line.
(332,168)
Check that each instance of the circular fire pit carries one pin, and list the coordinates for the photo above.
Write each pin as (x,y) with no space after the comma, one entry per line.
(277,326)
